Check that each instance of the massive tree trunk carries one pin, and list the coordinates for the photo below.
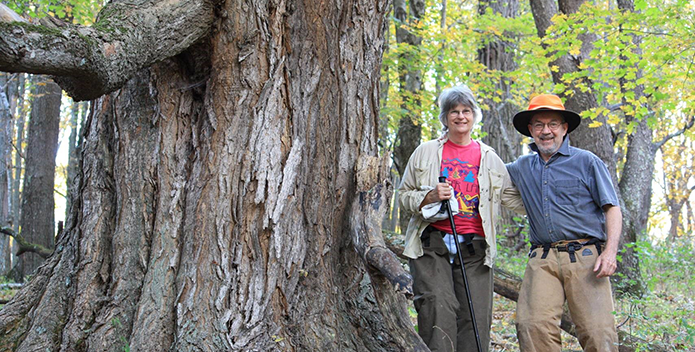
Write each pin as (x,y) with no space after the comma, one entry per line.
(37,222)
(215,188)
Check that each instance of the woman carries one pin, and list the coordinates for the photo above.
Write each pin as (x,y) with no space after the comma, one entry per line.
(478,180)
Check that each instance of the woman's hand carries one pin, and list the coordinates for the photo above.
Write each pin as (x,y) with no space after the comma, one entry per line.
(442,191)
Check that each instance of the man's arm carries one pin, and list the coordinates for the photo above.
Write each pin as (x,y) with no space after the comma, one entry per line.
(606,262)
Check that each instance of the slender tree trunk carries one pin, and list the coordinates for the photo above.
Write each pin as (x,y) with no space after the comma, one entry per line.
(497,56)
(677,174)
(5,170)
(442,47)
(636,180)
(37,221)
(599,140)
(410,80)
(73,150)
(19,154)
(18,168)
(213,197)
(691,218)
(674,211)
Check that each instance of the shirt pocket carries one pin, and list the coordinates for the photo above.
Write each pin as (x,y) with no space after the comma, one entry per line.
(422,175)
(495,186)
(568,191)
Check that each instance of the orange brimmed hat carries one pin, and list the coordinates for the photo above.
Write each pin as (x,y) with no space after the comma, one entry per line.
(545,102)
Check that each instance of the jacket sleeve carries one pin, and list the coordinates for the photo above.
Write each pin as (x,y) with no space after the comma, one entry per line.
(410,194)
(510,197)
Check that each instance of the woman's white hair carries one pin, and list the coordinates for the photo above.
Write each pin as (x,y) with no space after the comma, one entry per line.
(452,97)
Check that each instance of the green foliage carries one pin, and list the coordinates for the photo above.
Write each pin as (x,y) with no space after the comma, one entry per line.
(666,313)
(649,50)
(448,56)
(74,11)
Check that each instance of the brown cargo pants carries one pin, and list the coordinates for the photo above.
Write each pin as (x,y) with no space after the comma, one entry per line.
(547,283)
(444,320)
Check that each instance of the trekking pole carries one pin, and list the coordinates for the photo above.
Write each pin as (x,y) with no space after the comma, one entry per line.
(445,202)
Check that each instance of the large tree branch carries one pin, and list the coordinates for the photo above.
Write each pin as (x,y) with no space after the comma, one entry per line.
(25,246)
(92,61)
(366,214)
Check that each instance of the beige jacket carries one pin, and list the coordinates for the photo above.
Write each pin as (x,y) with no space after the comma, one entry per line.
(495,188)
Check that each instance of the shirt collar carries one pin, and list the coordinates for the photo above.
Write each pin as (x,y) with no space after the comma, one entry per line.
(563,150)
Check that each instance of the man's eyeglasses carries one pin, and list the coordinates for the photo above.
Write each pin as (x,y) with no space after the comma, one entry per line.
(552,125)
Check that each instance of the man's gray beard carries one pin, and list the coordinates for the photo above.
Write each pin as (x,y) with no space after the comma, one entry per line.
(547,151)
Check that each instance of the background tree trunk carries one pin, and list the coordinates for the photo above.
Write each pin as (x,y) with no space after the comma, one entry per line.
(19,154)
(599,141)
(410,81)
(37,223)
(5,169)
(498,56)
(636,180)
(677,174)
(18,165)
(73,150)
(211,212)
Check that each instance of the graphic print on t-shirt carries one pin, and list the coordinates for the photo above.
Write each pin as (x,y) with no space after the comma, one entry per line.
(460,164)
(463,178)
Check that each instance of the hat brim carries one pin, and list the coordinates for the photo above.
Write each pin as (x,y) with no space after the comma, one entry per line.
(522,119)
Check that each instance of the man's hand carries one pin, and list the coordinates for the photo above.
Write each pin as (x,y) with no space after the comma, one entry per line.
(605,264)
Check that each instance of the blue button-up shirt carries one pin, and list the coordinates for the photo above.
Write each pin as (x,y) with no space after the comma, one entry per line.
(564,196)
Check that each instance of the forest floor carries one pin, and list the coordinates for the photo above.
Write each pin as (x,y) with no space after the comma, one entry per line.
(664,314)
(503,332)
(6,294)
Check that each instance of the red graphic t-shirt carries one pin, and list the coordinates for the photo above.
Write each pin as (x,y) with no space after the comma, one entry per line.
(460,164)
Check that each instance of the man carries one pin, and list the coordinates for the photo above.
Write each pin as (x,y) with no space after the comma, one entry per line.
(477,183)
(575,223)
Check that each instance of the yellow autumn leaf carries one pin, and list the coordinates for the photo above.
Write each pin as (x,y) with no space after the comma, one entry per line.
(613,119)
(595,124)
(554,68)
(574,51)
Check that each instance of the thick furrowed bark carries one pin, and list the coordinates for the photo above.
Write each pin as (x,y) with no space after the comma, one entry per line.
(135,180)
(94,228)
(215,192)
(126,37)
(154,320)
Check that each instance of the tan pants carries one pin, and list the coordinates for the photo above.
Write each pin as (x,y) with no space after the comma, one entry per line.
(547,283)
(444,321)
